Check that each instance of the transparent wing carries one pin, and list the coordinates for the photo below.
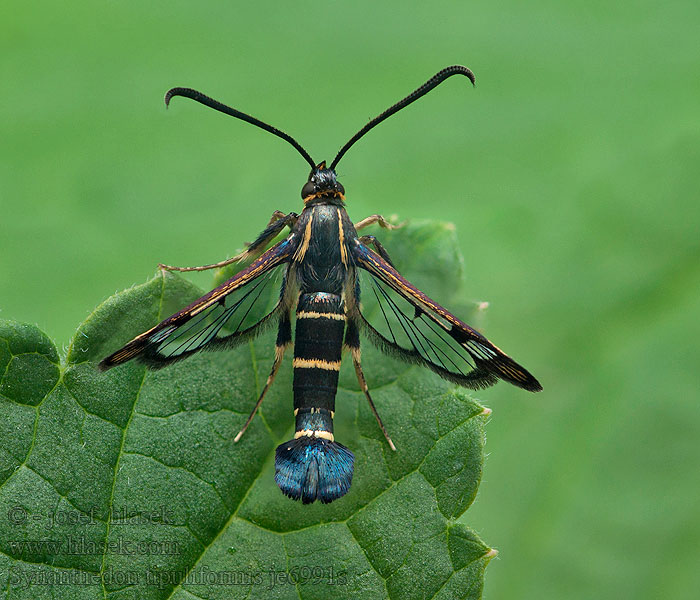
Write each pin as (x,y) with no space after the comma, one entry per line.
(406,323)
(228,315)
(234,319)
(395,325)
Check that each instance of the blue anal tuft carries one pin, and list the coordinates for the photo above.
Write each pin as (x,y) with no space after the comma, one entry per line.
(310,468)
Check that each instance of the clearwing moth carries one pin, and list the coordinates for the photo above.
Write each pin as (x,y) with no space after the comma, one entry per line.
(320,263)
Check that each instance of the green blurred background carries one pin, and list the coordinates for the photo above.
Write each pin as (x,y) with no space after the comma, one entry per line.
(571,173)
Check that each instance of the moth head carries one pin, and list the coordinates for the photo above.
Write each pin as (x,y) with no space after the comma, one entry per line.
(322,186)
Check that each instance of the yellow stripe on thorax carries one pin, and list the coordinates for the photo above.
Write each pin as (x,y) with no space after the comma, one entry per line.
(341,239)
(304,246)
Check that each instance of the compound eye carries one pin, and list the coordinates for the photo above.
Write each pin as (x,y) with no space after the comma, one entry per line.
(340,188)
(308,189)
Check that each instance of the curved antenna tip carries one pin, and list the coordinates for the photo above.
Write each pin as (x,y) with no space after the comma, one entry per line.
(228,110)
(455,69)
(176,91)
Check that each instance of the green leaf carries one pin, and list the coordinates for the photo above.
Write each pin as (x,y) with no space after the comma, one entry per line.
(128,484)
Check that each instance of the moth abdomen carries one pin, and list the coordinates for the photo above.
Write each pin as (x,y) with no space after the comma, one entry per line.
(313,466)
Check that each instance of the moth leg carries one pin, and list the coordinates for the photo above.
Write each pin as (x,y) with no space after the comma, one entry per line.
(218,265)
(376,244)
(352,342)
(376,219)
(277,215)
(363,385)
(284,340)
(277,223)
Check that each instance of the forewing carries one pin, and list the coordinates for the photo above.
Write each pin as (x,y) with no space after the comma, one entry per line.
(228,315)
(405,322)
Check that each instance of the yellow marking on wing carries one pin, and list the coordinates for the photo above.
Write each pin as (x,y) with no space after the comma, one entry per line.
(124,355)
(130,349)
(232,286)
(315,363)
(515,374)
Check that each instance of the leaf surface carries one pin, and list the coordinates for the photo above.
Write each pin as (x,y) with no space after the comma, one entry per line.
(128,484)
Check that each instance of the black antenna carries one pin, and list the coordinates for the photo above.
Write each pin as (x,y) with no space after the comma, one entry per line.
(433,82)
(211,103)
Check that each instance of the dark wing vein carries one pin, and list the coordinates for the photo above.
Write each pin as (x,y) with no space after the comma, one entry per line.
(433,336)
(233,312)
(222,325)
(386,320)
(404,321)
(412,339)
(195,340)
